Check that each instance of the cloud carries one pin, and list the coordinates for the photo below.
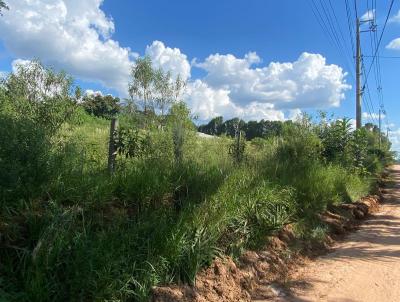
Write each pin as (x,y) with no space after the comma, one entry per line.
(169,59)
(395,18)
(369,15)
(76,36)
(372,116)
(307,82)
(394,44)
(90,92)
(207,102)
(72,35)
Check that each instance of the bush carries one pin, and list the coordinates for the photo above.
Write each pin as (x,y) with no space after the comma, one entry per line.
(24,156)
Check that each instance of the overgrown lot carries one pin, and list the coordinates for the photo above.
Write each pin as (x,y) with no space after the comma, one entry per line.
(72,231)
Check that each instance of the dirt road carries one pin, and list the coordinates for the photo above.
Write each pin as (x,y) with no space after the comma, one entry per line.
(365,267)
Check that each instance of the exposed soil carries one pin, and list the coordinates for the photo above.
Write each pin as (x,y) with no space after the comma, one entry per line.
(364,267)
(361,267)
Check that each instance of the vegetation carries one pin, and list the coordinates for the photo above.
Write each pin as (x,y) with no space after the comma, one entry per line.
(101,106)
(71,231)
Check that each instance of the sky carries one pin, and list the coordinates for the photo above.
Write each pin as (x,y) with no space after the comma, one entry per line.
(254,59)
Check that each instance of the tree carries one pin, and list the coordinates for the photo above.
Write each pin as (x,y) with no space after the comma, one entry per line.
(102,106)
(229,127)
(141,87)
(3,6)
(178,88)
(213,127)
(41,94)
(34,102)
(164,88)
(180,122)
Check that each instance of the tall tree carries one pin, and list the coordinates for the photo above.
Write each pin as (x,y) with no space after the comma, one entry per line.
(164,89)
(141,87)
(178,88)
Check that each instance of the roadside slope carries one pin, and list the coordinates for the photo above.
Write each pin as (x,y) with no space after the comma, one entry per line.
(365,267)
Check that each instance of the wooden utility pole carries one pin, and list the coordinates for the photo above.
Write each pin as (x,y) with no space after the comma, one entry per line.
(112,150)
(380,129)
(358,77)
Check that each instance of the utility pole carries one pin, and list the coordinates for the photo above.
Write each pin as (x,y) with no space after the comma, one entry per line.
(358,76)
(112,150)
(380,129)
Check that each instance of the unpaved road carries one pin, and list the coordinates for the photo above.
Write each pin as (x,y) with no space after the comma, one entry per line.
(364,267)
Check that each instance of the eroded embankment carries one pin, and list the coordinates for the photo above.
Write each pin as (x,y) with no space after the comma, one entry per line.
(263,274)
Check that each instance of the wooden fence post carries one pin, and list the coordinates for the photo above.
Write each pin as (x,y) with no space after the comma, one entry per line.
(112,150)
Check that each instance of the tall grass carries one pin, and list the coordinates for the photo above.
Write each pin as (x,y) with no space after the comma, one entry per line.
(89,236)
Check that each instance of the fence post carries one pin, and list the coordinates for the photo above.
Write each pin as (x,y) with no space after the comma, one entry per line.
(112,150)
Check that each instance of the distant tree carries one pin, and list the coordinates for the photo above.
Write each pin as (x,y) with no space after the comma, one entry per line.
(251,129)
(371,127)
(229,127)
(141,87)
(213,127)
(102,106)
(263,129)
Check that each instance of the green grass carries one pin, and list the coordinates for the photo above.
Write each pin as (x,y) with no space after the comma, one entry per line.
(90,236)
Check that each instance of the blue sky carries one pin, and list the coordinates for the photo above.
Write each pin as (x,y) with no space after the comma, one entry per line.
(223,47)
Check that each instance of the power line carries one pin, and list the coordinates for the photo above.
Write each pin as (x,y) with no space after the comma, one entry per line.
(344,45)
(368,101)
(384,57)
(351,32)
(380,39)
(325,20)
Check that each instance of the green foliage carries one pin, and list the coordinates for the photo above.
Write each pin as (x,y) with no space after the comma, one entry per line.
(142,81)
(38,93)
(102,106)
(34,103)
(24,152)
(132,142)
(252,129)
(237,148)
(152,88)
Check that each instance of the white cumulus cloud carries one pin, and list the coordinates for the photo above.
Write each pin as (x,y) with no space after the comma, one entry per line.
(73,35)
(369,15)
(394,44)
(169,59)
(207,102)
(76,35)
(307,82)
